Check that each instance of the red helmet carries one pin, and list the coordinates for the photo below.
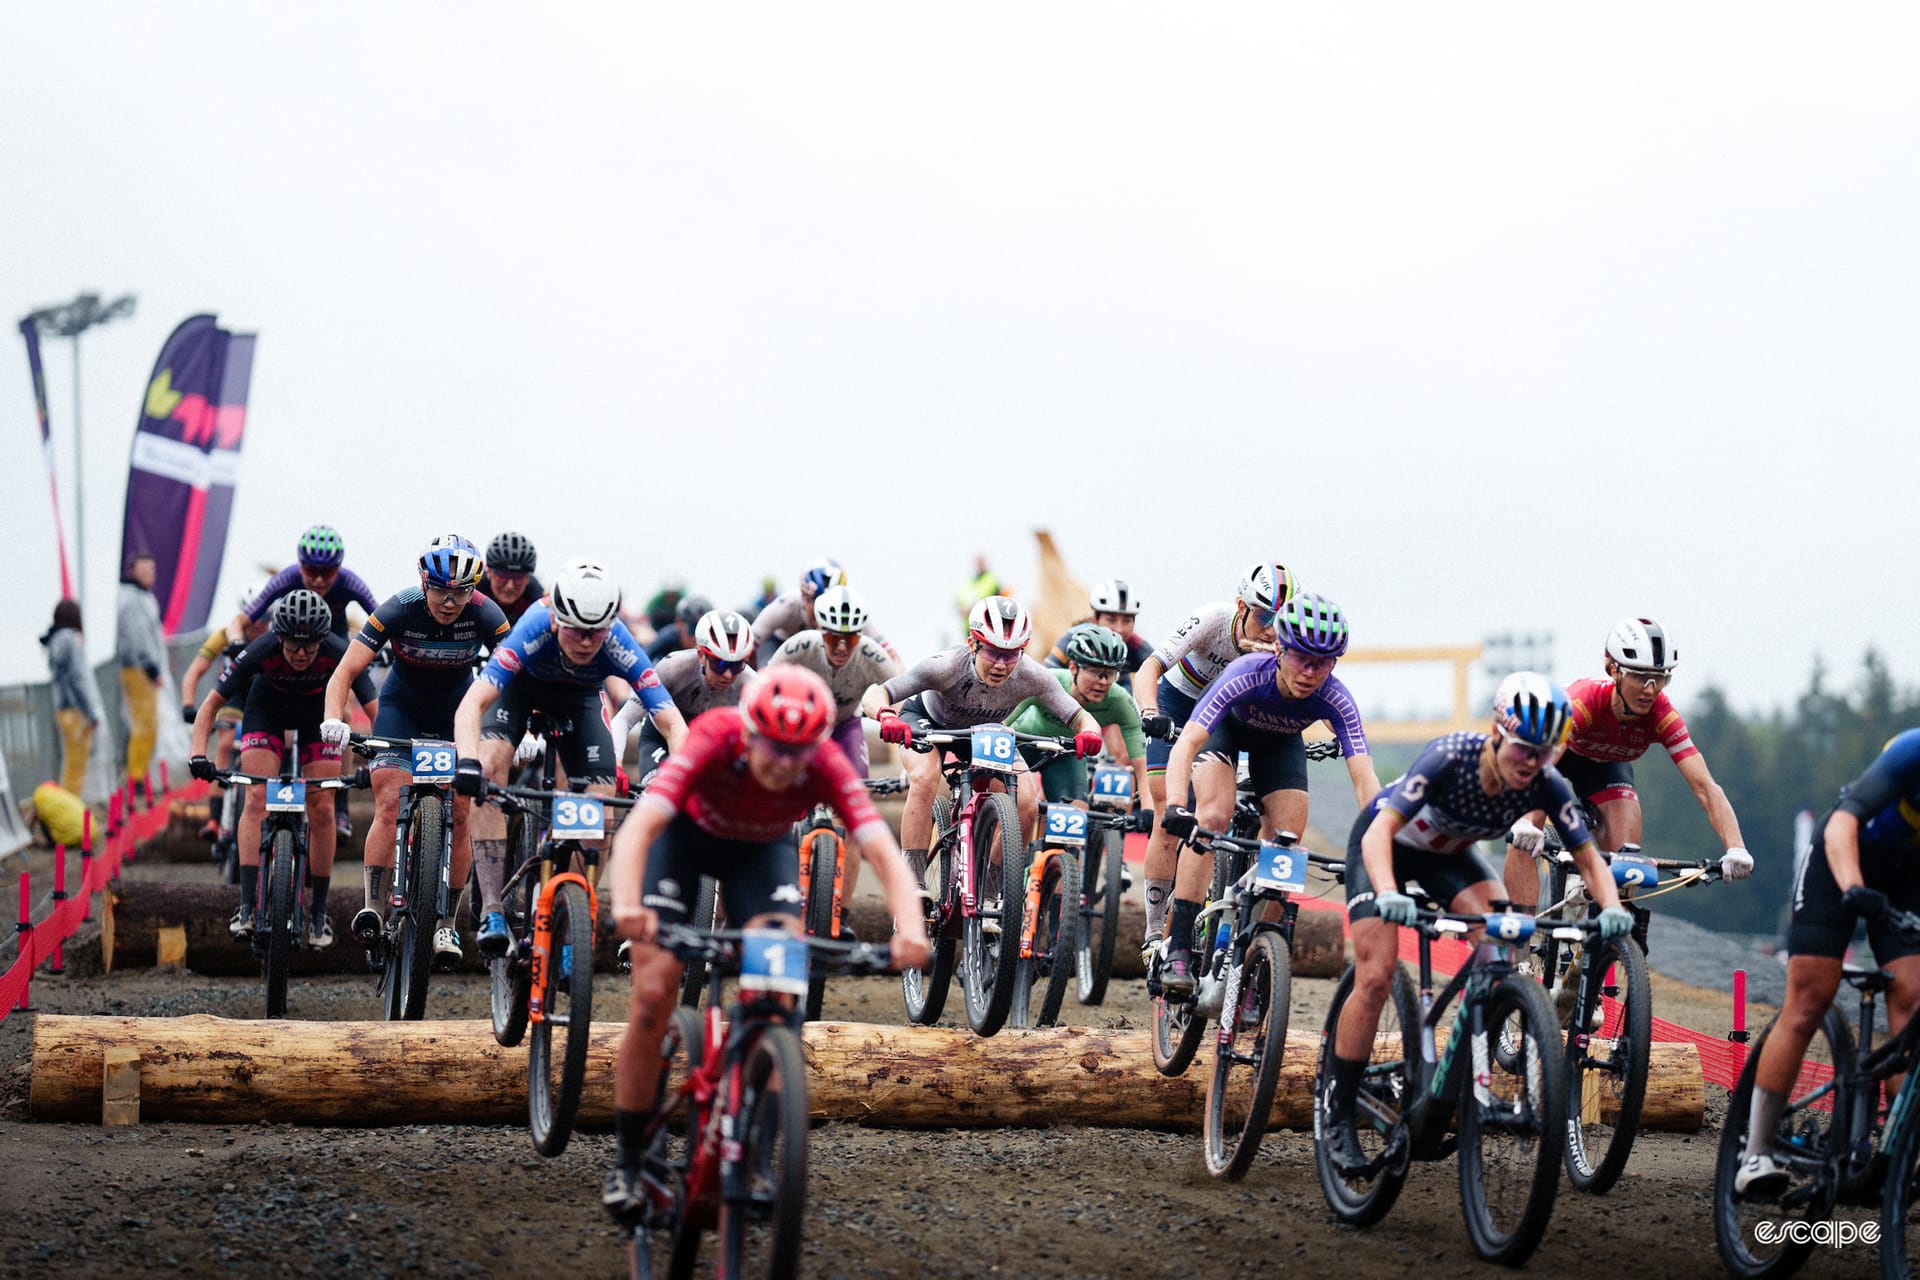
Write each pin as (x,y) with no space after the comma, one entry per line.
(789,704)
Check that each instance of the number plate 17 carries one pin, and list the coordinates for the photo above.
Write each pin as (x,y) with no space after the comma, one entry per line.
(1281,868)
(287,797)
(993,748)
(578,818)
(773,960)
(1112,786)
(432,761)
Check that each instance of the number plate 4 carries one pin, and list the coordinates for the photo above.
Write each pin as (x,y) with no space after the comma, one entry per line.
(287,797)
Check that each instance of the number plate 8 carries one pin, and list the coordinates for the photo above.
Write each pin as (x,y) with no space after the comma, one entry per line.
(993,748)
(578,818)
(773,960)
(1510,927)
(432,761)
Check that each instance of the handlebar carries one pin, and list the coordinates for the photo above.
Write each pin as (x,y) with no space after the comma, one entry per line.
(1437,923)
(518,799)
(924,742)
(352,782)
(721,948)
(885,786)
(1220,841)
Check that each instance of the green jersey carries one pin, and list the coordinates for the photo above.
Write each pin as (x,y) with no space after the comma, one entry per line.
(1118,707)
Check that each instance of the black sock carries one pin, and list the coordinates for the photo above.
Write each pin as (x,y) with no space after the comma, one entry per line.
(250,887)
(1180,930)
(1346,1085)
(317,887)
(630,1135)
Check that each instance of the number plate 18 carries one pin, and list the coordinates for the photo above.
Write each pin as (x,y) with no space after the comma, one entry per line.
(287,797)
(993,748)
(1112,786)
(1281,868)
(773,960)
(1066,825)
(432,761)
(578,818)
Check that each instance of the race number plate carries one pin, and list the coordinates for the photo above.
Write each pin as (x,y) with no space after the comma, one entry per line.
(287,797)
(578,818)
(993,748)
(1112,786)
(1281,869)
(1630,872)
(1066,826)
(1509,927)
(773,960)
(432,761)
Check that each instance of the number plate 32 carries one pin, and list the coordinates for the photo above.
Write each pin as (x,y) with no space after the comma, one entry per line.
(578,818)
(993,748)
(1066,826)
(432,761)
(773,960)
(287,797)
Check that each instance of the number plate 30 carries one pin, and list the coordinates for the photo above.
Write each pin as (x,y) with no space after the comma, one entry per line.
(578,818)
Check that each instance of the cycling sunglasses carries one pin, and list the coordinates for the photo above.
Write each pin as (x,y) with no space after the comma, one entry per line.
(996,654)
(723,668)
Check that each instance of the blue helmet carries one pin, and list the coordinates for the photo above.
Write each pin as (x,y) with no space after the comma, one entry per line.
(320,547)
(1533,710)
(450,561)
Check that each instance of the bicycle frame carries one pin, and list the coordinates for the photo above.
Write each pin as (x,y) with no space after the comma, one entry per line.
(822,820)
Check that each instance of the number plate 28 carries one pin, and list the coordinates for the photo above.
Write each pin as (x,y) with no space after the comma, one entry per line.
(432,761)
(773,960)
(993,748)
(578,818)
(287,797)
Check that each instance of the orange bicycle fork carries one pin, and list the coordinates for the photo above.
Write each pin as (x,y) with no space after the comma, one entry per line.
(1030,918)
(839,873)
(543,937)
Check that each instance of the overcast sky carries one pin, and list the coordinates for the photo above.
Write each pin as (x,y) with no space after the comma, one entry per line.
(1525,316)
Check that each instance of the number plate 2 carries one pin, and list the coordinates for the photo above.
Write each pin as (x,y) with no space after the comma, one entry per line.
(1634,873)
(578,818)
(1112,786)
(287,797)
(1066,826)
(993,748)
(432,761)
(773,960)
(1281,868)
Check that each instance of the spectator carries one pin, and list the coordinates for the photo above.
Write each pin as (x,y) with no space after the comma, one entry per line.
(76,698)
(141,649)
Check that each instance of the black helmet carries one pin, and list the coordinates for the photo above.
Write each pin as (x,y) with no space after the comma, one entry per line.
(302,615)
(689,612)
(511,553)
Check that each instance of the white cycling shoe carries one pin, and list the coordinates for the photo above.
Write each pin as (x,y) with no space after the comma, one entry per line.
(446,948)
(1760,1176)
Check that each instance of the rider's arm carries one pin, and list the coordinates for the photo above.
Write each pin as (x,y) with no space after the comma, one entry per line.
(1186,749)
(874,701)
(479,699)
(1366,783)
(1146,685)
(190,678)
(672,726)
(1594,872)
(353,664)
(631,713)
(203,721)
(1712,799)
(1376,849)
(1841,840)
(1579,841)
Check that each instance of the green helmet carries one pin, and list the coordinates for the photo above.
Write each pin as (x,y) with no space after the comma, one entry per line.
(1097,646)
(320,547)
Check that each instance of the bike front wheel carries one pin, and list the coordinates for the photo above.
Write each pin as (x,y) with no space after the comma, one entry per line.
(279,904)
(821,855)
(706,911)
(1246,1067)
(990,938)
(764,1202)
(557,1047)
(1101,882)
(1179,1024)
(1510,1122)
(510,977)
(1042,984)
(1361,1198)
(411,960)
(1607,1067)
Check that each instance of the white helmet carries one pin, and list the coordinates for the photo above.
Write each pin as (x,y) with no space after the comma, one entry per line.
(585,595)
(838,610)
(1265,587)
(1641,644)
(1000,621)
(1114,596)
(724,636)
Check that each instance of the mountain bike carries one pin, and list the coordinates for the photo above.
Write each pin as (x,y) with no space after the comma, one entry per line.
(422,860)
(1509,1113)
(1837,1137)
(727,1135)
(823,868)
(1050,920)
(1103,879)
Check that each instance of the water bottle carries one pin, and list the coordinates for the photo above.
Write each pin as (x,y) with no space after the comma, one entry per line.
(1221,937)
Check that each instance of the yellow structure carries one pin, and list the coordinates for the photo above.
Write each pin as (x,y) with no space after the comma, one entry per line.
(1463,657)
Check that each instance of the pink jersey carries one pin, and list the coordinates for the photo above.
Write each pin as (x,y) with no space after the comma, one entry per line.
(708,780)
(1598,734)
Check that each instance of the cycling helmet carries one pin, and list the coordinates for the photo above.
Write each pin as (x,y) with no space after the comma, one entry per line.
(789,704)
(1533,709)
(689,610)
(1114,596)
(840,611)
(821,574)
(511,553)
(724,636)
(1096,646)
(320,547)
(585,596)
(302,615)
(1000,621)
(452,562)
(1641,644)
(1265,587)
(1312,624)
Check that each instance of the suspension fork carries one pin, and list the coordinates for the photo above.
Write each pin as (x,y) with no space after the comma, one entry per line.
(543,931)
(1030,918)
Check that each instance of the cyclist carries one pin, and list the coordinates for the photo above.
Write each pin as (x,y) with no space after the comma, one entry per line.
(437,630)
(1259,705)
(725,805)
(281,680)
(1464,788)
(1862,862)
(709,675)
(1615,721)
(1172,681)
(792,611)
(849,661)
(678,634)
(1114,606)
(317,568)
(215,648)
(554,661)
(1095,656)
(509,580)
(978,682)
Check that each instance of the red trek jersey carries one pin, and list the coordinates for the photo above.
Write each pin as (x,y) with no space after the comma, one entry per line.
(708,780)
(1598,734)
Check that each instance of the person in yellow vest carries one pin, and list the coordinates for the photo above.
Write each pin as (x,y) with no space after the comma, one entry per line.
(984,583)
(141,649)
(76,698)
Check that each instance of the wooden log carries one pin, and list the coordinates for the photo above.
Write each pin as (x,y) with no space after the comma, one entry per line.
(215,1070)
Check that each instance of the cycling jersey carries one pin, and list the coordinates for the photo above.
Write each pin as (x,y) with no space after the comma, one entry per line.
(787,616)
(1248,691)
(1447,811)
(869,665)
(1599,734)
(709,780)
(1199,649)
(680,676)
(1886,802)
(347,589)
(532,651)
(216,647)
(429,655)
(955,697)
(1886,798)
(261,673)
(1138,648)
(528,598)
(1116,708)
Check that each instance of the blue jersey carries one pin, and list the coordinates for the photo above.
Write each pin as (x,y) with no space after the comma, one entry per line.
(1886,798)
(1447,810)
(531,651)
(431,655)
(1249,691)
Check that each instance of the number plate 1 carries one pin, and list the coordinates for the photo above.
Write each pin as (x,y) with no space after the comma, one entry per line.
(287,797)
(773,960)
(1630,872)
(1509,927)
(432,761)
(1066,826)
(1281,868)
(993,748)
(578,818)
(1112,786)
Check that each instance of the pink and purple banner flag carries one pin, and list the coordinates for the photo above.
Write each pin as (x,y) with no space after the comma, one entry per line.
(31,332)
